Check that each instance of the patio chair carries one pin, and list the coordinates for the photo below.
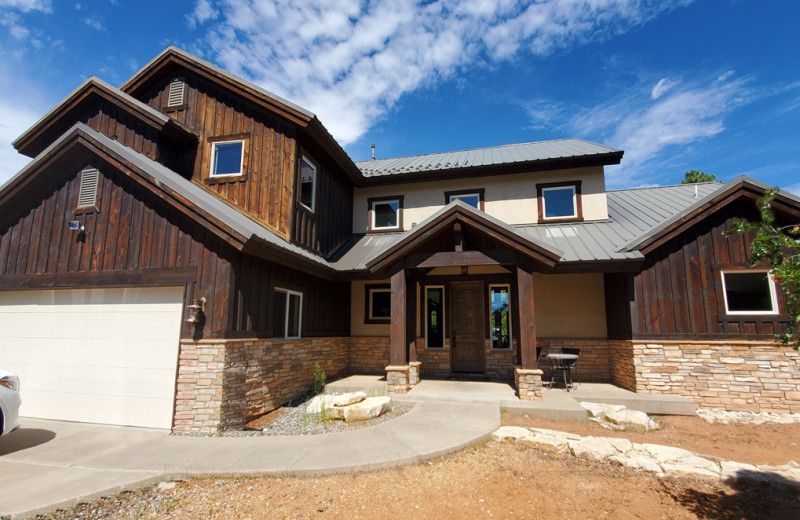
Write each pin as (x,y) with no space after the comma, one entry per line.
(574,363)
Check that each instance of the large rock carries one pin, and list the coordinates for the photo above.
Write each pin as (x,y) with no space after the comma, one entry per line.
(318,403)
(348,398)
(631,419)
(599,448)
(547,444)
(637,462)
(601,409)
(739,473)
(663,453)
(369,408)
(513,433)
(785,476)
(692,465)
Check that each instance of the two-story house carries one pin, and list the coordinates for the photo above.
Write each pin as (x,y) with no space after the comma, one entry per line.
(182,249)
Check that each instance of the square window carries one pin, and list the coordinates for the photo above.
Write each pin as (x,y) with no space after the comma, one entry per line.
(386,214)
(308,180)
(749,292)
(287,310)
(500,316)
(379,303)
(227,158)
(559,202)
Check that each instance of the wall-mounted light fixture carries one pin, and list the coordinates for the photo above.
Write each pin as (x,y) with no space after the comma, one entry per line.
(74,225)
(197,311)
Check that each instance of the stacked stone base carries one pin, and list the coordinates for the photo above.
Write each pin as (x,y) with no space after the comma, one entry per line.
(402,378)
(529,383)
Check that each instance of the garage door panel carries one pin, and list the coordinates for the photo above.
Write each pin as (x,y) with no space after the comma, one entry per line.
(116,349)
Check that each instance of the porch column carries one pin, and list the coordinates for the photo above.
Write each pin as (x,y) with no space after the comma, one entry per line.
(527,320)
(398,345)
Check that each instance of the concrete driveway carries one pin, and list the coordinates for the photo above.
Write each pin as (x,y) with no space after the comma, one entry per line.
(49,464)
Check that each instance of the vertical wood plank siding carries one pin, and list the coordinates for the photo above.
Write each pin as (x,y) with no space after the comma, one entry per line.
(132,231)
(266,190)
(677,292)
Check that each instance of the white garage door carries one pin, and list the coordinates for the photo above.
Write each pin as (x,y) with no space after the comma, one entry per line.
(94,355)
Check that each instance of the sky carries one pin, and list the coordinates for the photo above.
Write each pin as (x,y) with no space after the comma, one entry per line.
(710,85)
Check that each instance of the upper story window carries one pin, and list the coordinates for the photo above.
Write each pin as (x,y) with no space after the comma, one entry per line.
(472,197)
(385,213)
(227,158)
(559,201)
(308,183)
(749,291)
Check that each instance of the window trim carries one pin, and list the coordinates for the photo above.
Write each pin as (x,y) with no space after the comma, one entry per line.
(371,213)
(547,186)
(313,166)
(368,290)
(288,293)
(228,177)
(444,323)
(480,192)
(510,318)
(772,292)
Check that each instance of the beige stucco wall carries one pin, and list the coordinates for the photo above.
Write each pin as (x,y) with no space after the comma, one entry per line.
(357,325)
(510,198)
(569,305)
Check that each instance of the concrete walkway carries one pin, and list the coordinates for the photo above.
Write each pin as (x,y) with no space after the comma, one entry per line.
(49,464)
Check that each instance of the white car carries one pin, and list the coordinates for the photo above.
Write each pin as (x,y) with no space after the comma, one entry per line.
(9,402)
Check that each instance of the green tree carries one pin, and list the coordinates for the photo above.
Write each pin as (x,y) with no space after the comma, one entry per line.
(693,176)
(780,247)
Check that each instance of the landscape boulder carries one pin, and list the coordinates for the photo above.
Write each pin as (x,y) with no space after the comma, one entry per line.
(369,408)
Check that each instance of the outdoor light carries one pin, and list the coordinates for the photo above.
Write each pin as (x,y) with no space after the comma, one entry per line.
(196,311)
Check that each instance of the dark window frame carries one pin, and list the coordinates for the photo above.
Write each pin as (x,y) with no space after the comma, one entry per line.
(576,185)
(480,192)
(313,164)
(368,319)
(371,218)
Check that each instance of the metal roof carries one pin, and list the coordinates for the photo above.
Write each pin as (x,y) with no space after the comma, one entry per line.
(491,156)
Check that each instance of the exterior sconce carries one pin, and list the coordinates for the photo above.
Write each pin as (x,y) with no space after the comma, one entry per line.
(197,311)
(464,270)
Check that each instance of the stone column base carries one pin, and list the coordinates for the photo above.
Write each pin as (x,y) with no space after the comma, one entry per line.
(397,378)
(529,383)
(413,373)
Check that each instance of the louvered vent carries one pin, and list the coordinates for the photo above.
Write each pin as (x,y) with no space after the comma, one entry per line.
(177,89)
(88,196)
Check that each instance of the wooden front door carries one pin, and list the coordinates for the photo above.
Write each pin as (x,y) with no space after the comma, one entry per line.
(467,318)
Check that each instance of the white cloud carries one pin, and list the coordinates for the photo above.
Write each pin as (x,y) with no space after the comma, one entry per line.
(794,188)
(661,88)
(94,24)
(350,61)
(45,6)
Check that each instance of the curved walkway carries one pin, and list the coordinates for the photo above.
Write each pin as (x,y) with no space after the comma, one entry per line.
(49,464)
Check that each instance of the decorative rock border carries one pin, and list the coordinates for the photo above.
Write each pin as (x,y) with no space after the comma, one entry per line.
(654,458)
(724,417)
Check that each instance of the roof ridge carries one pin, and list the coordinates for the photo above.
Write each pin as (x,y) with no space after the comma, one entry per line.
(664,186)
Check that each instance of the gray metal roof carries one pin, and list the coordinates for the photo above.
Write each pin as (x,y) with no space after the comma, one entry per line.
(491,156)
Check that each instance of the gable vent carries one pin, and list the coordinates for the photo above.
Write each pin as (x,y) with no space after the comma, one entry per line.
(177,89)
(88,194)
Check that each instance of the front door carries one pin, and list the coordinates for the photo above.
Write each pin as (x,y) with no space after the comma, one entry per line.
(467,326)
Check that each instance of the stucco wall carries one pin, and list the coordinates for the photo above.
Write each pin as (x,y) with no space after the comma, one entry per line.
(511,198)
(569,305)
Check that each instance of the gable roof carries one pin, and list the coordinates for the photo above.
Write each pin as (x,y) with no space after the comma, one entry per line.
(174,57)
(739,187)
(562,153)
(61,117)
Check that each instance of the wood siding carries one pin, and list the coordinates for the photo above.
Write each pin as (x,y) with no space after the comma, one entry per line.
(134,231)
(266,190)
(678,294)
(618,290)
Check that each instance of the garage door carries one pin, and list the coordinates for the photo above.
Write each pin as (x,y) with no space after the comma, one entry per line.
(94,355)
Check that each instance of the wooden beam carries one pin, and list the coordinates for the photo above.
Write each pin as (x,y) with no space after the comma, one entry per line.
(458,237)
(527,320)
(456,258)
(411,317)
(398,345)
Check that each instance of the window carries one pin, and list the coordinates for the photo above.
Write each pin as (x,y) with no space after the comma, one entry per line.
(385,213)
(287,311)
(472,197)
(308,181)
(559,201)
(434,317)
(500,316)
(378,303)
(227,158)
(749,292)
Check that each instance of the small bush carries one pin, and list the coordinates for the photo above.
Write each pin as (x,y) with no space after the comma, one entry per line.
(317,379)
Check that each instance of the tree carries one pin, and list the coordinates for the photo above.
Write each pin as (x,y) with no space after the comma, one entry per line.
(780,247)
(693,176)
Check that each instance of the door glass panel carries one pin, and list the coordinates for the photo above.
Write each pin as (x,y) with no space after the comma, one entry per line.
(434,312)
(499,318)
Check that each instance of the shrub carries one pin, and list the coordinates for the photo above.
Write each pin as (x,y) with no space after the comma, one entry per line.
(317,379)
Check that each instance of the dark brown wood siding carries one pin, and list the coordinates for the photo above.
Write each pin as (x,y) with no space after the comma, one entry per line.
(619,297)
(135,238)
(266,190)
(326,304)
(331,223)
(678,294)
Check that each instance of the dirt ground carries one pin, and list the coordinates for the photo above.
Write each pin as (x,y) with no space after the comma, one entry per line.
(493,480)
(773,444)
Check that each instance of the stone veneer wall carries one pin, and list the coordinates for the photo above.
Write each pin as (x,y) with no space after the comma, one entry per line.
(756,376)
(369,355)
(223,384)
(434,362)
(593,365)
(623,371)
(500,363)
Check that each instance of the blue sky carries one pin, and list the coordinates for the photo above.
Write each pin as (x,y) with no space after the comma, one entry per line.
(712,85)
